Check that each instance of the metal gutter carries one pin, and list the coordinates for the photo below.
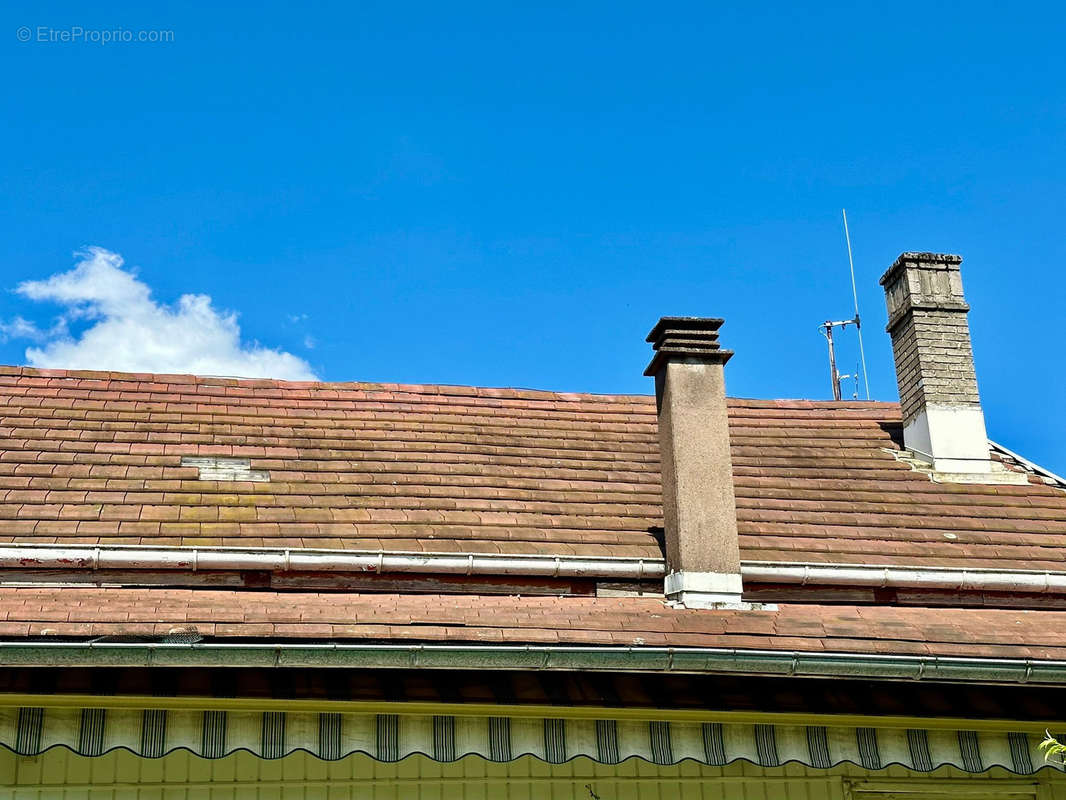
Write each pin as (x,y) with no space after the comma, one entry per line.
(532,657)
(956,579)
(193,559)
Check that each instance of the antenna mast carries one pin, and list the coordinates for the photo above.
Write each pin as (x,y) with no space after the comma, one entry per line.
(827,331)
(855,297)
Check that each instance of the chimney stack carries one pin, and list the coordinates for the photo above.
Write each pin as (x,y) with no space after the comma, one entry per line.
(942,419)
(699,506)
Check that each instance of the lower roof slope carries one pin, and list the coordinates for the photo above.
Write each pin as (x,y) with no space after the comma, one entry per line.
(78,613)
(96,458)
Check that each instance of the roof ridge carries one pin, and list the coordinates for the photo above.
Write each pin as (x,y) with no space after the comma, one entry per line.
(497,392)
(490,392)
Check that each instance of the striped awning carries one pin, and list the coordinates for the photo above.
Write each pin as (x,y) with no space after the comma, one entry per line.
(152,733)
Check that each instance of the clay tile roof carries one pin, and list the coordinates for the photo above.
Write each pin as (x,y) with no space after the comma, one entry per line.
(78,613)
(96,458)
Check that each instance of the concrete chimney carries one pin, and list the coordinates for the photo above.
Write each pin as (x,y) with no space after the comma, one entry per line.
(942,419)
(699,506)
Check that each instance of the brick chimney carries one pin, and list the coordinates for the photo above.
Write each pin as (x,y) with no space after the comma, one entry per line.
(942,419)
(699,506)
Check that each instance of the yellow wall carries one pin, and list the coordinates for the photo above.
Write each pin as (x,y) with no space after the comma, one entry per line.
(62,775)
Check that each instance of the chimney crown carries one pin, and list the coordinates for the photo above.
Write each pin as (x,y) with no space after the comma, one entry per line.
(693,340)
(923,282)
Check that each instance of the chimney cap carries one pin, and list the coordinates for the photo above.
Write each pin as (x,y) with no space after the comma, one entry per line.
(926,282)
(946,261)
(709,325)
(691,339)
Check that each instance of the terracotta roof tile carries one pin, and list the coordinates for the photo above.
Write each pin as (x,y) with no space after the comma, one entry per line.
(80,612)
(96,457)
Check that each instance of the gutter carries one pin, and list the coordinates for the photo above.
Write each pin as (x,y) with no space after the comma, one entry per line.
(193,559)
(702,660)
(949,578)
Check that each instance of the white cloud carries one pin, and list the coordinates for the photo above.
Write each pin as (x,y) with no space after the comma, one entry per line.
(20,328)
(130,331)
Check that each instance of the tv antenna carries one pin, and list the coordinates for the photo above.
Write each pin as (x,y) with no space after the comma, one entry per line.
(827,327)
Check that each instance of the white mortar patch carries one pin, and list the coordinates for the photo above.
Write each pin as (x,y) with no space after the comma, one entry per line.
(997,474)
(214,468)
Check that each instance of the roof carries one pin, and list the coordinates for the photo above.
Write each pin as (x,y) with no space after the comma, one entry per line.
(620,621)
(96,458)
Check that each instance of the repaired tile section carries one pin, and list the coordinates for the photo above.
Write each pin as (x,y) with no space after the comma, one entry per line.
(213,468)
(1000,475)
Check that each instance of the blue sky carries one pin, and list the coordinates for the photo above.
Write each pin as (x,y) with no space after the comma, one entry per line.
(486,194)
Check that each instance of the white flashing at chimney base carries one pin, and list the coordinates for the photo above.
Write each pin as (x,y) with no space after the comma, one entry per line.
(951,438)
(955,431)
(705,589)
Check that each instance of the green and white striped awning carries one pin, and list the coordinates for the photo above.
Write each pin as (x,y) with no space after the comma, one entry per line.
(152,733)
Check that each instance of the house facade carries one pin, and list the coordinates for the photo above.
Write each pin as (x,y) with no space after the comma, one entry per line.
(243,588)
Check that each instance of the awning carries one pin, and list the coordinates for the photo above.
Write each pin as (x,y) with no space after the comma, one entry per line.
(153,733)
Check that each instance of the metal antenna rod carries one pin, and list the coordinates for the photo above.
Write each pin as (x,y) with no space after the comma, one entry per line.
(834,376)
(855,296)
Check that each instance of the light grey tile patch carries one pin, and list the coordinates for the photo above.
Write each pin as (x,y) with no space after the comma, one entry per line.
(555,741)
(918,742)
(28,734)
(607,741)
(818,746)
(214,468)
(766,746)
(213,736)
(272,741)
(443,738)
(713,744)
(91,731)
(970,748)
(869,752)
(329,736)
(1020,754)
(153,732)
(388,737)
(499,739)
(662,751)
